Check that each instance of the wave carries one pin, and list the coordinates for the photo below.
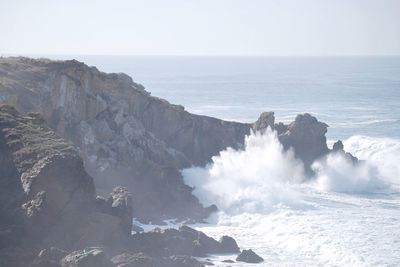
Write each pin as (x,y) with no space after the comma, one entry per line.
(263,177)
(383,153)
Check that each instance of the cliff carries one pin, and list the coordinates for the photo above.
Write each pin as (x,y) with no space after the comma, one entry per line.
(47,198)
(128,137)
(125,136)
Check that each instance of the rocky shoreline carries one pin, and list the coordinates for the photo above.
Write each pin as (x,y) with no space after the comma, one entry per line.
(69,132)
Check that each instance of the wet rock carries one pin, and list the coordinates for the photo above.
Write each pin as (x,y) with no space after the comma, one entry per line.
(337,146)
(135,260)
(306,135)
(88,257)
(249,256)
(228,245)
(184,241)
(266,119)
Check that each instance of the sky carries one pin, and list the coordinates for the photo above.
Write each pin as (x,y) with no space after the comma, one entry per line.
(201,27)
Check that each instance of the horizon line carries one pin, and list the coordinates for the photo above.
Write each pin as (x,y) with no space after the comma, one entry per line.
(188,55)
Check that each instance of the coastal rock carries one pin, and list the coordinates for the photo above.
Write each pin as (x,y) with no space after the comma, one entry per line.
(249,256)
(126,136)
(339,148)
(306,135)
(228,245)
(88,257)
(135,260)
(266,119)
(184,241)
(48,199)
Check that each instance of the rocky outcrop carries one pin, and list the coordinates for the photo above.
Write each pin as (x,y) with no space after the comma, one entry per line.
(48,199)
(50,215)
(128,137)
(125,136)
(249,256)
(183,241)
(305,135)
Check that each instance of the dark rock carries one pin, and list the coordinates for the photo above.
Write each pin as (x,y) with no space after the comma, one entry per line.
(228,245)
(228,261)
(338,146)
(266,119)
(185,241)
(183,261)
(249,256)
(306,135)
(135,260)
(49,257)
(88,257)
(47,198)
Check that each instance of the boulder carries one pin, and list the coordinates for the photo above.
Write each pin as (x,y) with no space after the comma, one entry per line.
(228,245)
(249,256)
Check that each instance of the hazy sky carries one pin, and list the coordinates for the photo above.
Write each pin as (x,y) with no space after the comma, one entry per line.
(201,27)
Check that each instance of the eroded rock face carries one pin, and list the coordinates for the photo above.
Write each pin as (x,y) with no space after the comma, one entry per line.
(184,241)
(48,198)
(306,135)
(125,136)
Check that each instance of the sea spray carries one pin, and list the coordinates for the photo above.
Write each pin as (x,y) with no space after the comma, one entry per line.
(263,176)
(384,153)
(254,179)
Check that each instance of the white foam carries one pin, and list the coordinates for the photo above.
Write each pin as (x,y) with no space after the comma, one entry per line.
(266,205)
(248,180)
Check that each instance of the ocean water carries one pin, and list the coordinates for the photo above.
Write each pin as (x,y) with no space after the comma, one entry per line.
(346,216)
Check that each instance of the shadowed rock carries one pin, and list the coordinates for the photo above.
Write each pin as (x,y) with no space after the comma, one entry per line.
(249,256)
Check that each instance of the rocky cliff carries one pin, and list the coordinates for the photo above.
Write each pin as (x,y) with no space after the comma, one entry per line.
(47,198)
(128,137)
(125,136)
(50,215)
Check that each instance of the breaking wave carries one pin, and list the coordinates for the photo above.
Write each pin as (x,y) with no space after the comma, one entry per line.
(263,176)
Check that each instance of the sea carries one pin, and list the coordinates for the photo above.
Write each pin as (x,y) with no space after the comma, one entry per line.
(344,216)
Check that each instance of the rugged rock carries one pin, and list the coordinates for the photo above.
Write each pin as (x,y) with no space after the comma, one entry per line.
(125,136)
(228,245)
(339,148)
(184,241)
(266,119)
(249,256)
(306,135)
(128,137)
(47,198)
(88,257)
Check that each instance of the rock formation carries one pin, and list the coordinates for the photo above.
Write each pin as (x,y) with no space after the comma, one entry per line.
(50,215)
(48,199)
(125,136)
(128,137)
(249,256)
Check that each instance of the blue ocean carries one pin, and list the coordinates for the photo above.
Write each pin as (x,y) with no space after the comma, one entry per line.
(348,215)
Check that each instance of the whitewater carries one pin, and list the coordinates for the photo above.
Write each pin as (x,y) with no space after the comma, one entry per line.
(345,215)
